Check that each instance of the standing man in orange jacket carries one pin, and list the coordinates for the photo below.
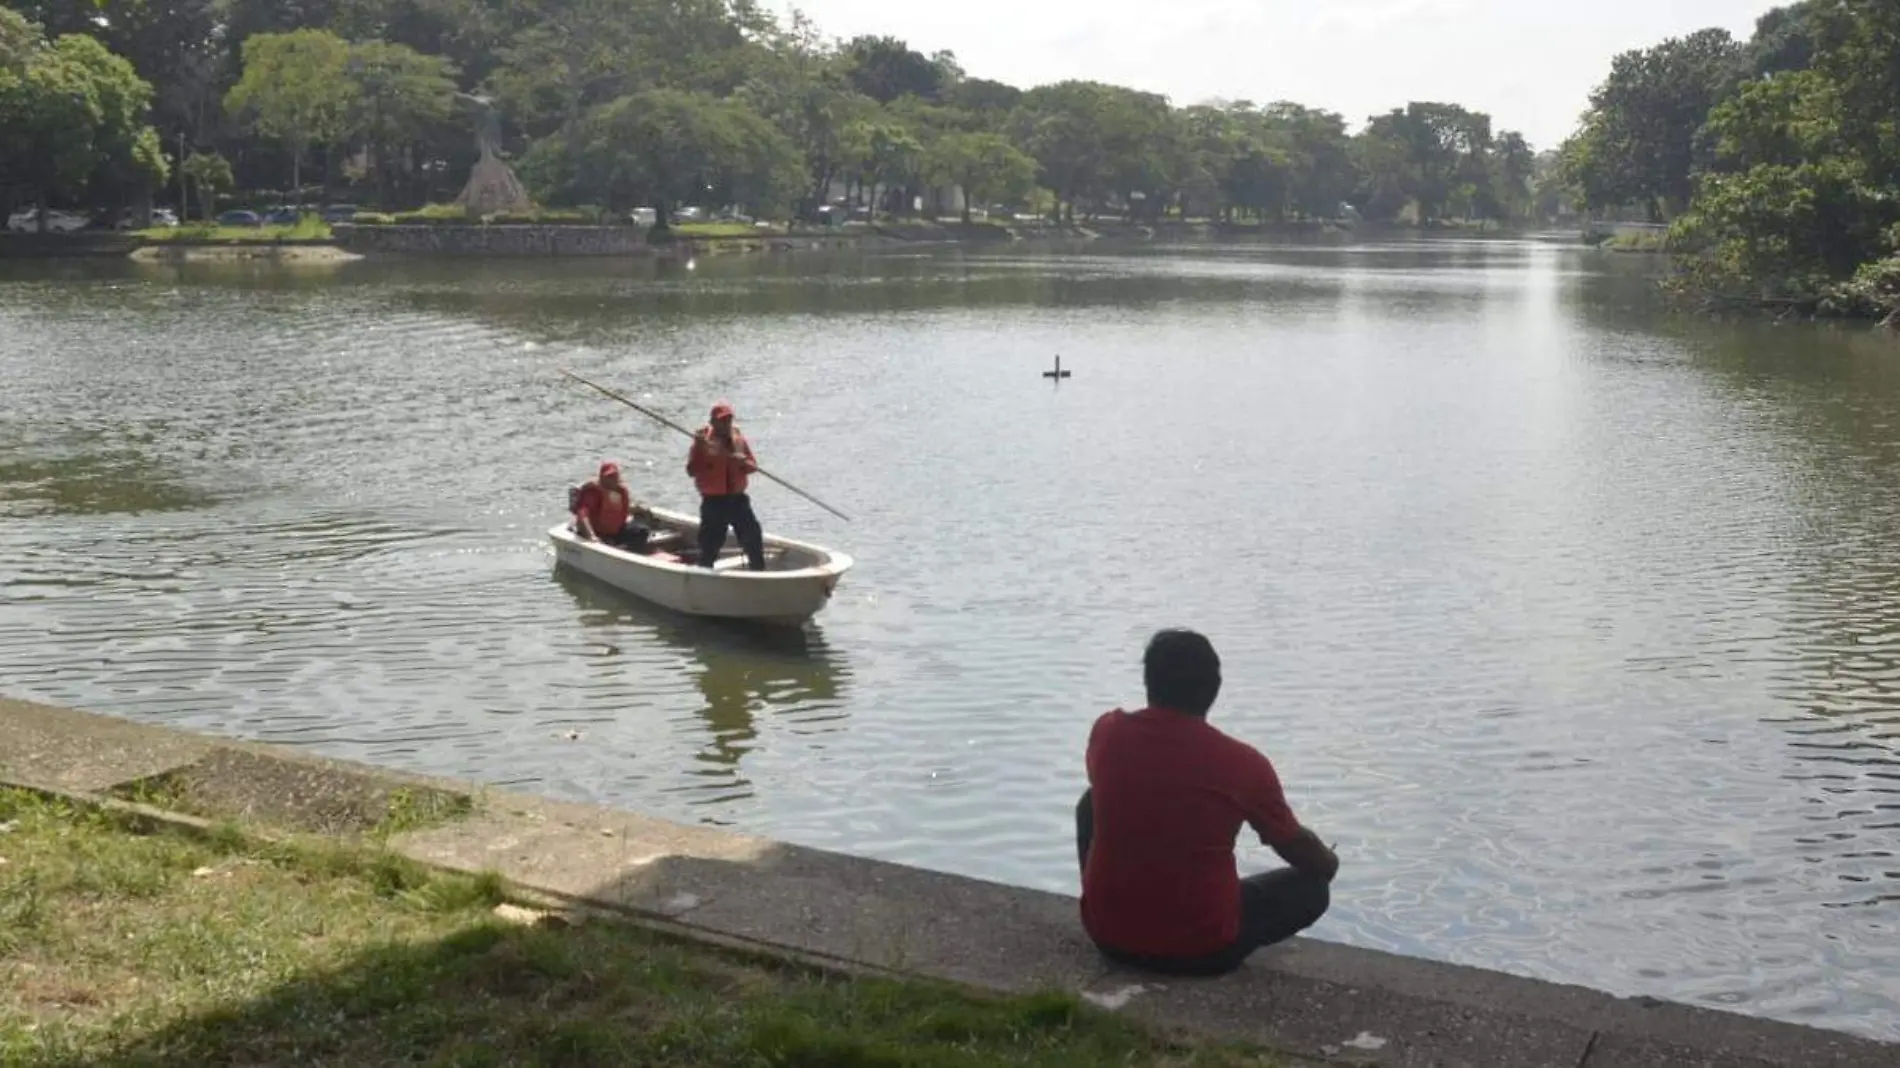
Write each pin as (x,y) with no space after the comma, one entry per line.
(719,462)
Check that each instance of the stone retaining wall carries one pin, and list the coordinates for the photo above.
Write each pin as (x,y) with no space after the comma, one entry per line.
(493,241)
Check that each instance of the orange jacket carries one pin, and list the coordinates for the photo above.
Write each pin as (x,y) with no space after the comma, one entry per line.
(719,471)
(606,512)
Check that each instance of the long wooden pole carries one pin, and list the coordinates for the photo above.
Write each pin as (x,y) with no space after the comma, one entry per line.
(664,421)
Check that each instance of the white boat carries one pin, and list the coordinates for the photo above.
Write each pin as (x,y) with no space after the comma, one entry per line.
(796,584)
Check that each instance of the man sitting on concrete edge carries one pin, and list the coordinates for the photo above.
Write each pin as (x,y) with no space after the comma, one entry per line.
(1155,831)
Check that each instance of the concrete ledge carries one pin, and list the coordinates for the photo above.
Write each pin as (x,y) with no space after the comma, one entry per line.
(1311,1000)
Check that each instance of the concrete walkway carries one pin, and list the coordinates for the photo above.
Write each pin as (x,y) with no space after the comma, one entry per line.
(1311,1000)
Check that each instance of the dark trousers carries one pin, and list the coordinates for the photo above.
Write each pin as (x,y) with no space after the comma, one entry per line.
(1274,906)
(734,511)
(632,537)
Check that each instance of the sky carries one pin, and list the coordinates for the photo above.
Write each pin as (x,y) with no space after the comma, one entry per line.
(1529,63)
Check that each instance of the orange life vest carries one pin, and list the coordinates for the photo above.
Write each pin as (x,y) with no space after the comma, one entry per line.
(717,470)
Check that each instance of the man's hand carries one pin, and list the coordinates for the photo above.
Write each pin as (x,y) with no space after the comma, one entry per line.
(1310,855)
(583,531)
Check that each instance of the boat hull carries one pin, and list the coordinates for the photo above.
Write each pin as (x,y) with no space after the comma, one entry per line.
(797,585)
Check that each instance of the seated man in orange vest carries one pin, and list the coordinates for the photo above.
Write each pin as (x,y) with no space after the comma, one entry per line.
(719,462)
(1155,832)
(603,511)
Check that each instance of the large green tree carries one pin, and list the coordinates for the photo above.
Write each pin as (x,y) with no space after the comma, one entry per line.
(73,117)
(985,166)
(665,148)
(1639,141)
(1803,185)
(1427,155)
(885,68)
(295,90)
(174,45)
(398,97)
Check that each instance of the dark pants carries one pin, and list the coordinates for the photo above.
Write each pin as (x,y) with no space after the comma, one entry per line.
(734,511)
(632,537)
(1274,906)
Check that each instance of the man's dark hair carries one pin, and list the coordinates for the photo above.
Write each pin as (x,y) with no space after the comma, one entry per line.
(1182,672)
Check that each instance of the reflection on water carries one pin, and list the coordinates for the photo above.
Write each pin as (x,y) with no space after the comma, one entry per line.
(1577,624)
(742,672)
(87,484)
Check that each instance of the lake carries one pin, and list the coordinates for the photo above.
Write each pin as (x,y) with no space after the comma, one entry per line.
(1576,623)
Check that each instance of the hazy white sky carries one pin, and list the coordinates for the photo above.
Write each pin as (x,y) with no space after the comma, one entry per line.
(1530,63)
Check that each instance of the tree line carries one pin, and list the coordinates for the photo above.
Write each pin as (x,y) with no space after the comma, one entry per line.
(663,103)
(1775,160)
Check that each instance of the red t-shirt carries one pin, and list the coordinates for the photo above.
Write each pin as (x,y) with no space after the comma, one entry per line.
(1170,795)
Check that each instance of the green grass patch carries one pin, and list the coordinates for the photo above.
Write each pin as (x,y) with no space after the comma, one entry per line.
(122,948)
(1636,241)
(309,229)
(724,229)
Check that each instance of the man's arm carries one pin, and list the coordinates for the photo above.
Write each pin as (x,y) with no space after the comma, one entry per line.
(696,457)
(583,508)
(1272,819)
(750,463)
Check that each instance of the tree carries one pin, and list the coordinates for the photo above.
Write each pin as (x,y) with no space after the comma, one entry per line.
(561,58)
(398,96)
(891,156)
(1093,142)
(1800,191)
(174,45)
(799,85)
(988,102)
(665,148)
(1320,155)
(1786,39)
(209,174)
(72,117)
(295,89)
(885,68)
(985,166)
(1425,154)
(1638,142)
(1514,173)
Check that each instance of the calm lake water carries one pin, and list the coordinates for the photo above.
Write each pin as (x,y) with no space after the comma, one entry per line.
(1576,624)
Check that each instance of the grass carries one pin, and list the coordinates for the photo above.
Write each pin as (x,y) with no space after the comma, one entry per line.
(723,229)
(122,947)
(310,228)
(1636,241)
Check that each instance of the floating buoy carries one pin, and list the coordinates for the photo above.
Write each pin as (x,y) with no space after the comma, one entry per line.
(1058,374)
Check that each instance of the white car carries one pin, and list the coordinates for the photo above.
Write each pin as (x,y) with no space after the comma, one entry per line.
(27,221)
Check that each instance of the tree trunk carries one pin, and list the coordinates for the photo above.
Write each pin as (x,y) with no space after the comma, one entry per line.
(296,169)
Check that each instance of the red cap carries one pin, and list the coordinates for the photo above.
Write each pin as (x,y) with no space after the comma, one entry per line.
(722,410)
(608,467)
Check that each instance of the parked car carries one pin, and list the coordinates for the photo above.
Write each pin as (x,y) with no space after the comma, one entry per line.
(339,213)
(282,216)
(687,215)
(27,221)
(129,219)
(644,216)
(240,217)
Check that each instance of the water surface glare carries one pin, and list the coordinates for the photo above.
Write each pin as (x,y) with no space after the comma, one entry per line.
(1577,625)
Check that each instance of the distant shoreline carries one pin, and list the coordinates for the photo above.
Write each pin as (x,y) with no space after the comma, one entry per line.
(351,242)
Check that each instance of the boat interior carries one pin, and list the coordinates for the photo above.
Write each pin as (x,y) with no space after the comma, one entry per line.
(679,544)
